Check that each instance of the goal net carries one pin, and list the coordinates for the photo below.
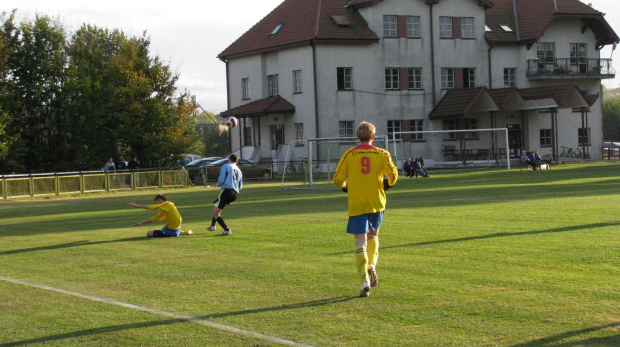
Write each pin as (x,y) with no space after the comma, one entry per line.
(311,163)
(453,148)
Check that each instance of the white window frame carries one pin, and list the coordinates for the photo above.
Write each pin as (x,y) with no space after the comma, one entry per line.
(447,78)
(392,78)
(413,26)
(347,78)
(296,81)
(467,28)
(245,88)
(415,78)
(345,128)
(416,125)
(394,126)
(510,77)
(445,28)
(272,85)
(390,25)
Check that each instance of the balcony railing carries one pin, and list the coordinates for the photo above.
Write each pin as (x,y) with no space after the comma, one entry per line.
(590,68)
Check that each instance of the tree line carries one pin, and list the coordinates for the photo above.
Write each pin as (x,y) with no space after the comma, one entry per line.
(70,101)
(611,115)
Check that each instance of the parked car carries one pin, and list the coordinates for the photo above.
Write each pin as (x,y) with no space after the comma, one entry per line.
(248,169)
(188,158)
(197,167)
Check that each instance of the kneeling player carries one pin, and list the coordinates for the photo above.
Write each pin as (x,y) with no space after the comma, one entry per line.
(167,211)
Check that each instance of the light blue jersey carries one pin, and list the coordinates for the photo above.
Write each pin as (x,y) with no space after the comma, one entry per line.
(230,177)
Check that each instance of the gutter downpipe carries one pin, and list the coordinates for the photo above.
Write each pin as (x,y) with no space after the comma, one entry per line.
(228,108)
(490,65)
(316,98)
(431,3)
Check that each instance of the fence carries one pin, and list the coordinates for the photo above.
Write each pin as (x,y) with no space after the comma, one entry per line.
(611,150)
(32,185)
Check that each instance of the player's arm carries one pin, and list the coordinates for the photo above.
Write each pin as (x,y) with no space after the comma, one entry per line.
(390,170)
(138,206)
(142,223)
(340,177)
(223,174)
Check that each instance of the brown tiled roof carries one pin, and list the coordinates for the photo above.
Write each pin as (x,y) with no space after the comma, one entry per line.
(271,105)
(303,22)
(457,102)
(364,3)
(529,19)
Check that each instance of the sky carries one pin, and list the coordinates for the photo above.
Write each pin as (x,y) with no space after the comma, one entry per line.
(188,36)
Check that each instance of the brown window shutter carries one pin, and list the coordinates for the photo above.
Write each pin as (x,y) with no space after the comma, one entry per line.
(458,77)
(401,25)
(404,78)
(406,126)
(456,27)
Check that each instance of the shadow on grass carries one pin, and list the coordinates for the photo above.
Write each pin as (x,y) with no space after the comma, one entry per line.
(114,328)
(597,341)
(69,245)
(494,235)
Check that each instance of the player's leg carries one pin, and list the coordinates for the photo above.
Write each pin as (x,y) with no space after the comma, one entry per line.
(154,233)
(358,226)
(375,220)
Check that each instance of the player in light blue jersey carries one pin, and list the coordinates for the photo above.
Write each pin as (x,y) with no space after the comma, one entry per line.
(230,183)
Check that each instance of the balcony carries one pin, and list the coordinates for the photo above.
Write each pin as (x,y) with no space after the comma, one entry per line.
(561,68)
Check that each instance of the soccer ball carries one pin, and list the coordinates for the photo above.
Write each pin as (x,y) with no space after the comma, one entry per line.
(231,122)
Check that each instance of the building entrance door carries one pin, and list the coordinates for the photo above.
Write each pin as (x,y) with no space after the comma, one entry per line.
(514,140)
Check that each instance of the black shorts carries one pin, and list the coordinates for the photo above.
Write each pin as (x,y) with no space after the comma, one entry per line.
(226,197)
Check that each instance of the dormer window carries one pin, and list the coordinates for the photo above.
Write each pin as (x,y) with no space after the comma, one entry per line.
(487,29)
(341,21)
(506,28)
(275,31)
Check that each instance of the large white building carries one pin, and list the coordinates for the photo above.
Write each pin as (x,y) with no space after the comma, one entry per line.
(316,68)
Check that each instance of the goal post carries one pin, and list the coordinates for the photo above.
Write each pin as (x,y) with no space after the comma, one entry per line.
(450,148)
(321,156)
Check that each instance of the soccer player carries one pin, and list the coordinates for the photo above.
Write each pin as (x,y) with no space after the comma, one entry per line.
(231,183)
(167,211)
(360,172)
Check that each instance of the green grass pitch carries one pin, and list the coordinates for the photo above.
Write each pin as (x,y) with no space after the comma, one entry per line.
(467,258)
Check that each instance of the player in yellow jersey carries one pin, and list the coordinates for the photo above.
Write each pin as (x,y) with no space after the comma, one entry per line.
(360,173)
(167,211)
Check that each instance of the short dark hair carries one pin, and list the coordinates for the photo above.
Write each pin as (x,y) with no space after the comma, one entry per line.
(233,157)
(160,197)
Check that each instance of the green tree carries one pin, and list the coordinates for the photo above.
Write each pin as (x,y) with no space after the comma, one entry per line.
(611,119)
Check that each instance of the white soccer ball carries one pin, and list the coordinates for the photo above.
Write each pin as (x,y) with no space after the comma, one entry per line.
(231,122)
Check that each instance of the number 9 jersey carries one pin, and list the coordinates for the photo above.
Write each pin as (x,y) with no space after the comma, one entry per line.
(361,170)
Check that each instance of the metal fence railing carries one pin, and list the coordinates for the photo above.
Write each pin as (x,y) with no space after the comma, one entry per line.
(14,186)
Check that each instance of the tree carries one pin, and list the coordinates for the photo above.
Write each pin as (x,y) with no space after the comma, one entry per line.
(611,119)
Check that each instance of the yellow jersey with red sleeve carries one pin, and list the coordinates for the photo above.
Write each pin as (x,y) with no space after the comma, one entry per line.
(169,212)
(361,169)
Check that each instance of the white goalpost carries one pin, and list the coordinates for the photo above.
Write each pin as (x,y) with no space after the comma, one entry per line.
(314,160)
(453,148)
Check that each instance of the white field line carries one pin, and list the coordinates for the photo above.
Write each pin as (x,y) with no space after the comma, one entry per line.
(158,312)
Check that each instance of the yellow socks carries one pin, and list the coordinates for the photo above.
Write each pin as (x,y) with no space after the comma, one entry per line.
(373,249)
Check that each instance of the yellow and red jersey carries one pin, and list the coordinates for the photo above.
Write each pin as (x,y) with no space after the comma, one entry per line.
(169,212)
(361,169)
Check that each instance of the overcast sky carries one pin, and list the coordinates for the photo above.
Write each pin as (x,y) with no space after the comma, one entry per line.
(190,34)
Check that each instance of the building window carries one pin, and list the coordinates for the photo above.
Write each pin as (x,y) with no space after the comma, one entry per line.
(417,125)
(470,123)
(450,124)
(545,51)
(344,76)
(299,133)
(447,78)
(413,26)
(445,27)
(578,54)
(392,127)
(245,88)
(277,136)
(391,78)
(276,29)
(297,81)
(469,78)
(545,137)
(390,26)
(510,77)
(415,78)
(584,136)
(467,28)
(247,136)
(272,85)
(345,128)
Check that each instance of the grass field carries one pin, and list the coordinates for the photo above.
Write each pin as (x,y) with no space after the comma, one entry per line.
(473,258)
